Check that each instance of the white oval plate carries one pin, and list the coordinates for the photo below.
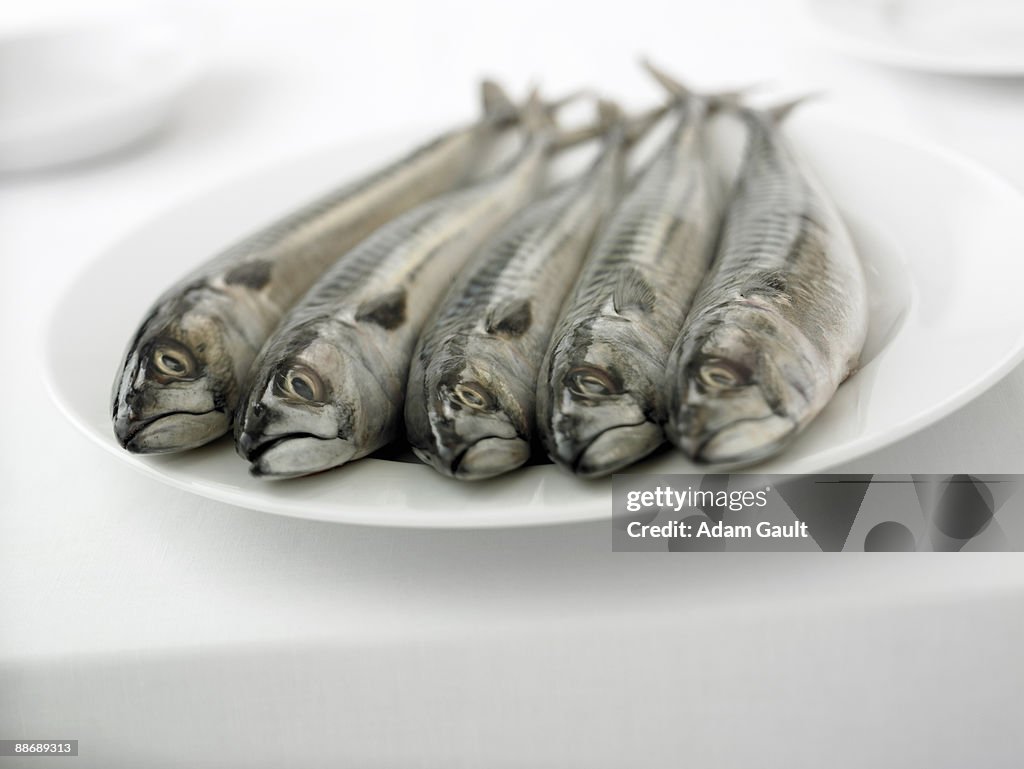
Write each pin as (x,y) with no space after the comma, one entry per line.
(953,37)
(941,238)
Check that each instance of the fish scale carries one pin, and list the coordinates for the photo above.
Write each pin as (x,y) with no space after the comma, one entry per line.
(471,396)
(507,275)
(181,375)
(395,255)
(389,257)
(517,258)
(328,386)
(781,319)
(773,232)
(600,405)
(640,234)
(304,243)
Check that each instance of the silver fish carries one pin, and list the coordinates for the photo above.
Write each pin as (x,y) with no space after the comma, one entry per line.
(470,403)
(780,322)
(599,394)
(329,385)
(181,376)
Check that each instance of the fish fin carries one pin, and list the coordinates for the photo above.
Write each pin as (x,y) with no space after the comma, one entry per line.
(628,129)
(254,274)
(615,124)
(674,87)
(387,311)
(609,113)
(633,292)
(497,105)
(780,112)
(729,100)
(571,138)
(719,100)
(534,114)
(722,101)
(511,318)
(553,107)
(609,118)
(637,126)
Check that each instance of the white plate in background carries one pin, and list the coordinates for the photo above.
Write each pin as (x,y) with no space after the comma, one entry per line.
(941,238)
(74,91)
(963,37)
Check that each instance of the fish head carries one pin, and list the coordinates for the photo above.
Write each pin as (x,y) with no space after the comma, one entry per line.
(179,380)
(746,383)
(600,407)
(310,407)
(469,422)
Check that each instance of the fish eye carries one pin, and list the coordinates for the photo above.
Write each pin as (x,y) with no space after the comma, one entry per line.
(473,396)
(171,359)
(301,383)
(718,374)
(589,382)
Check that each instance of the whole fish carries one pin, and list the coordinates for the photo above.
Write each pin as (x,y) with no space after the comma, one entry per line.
(329,385)
(780,322)
(181,376)
(600,405)
(470,403)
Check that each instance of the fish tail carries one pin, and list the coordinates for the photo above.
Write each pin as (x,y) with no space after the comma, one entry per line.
(637,126)
(779,112)
(554,106)
(497,105)
(629,129)
(620,132)
(566,138)
(609,113)
(719,100)
(535,115)
(499,108)
(724,101)
(610,122)
(673,85)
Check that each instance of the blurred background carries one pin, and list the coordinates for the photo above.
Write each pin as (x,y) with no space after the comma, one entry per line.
(287,76)
(156,101)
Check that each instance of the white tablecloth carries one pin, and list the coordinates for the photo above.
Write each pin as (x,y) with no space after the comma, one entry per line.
(162,630)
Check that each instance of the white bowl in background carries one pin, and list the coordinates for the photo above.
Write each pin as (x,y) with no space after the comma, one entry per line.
(87,88)
(952,37)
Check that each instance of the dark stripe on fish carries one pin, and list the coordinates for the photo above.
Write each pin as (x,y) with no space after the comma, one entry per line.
(254,274)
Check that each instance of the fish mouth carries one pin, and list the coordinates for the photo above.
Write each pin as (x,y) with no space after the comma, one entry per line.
(487,457)
(617,447)
(155,436)
(293,454)
(251,449)
(742,443)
